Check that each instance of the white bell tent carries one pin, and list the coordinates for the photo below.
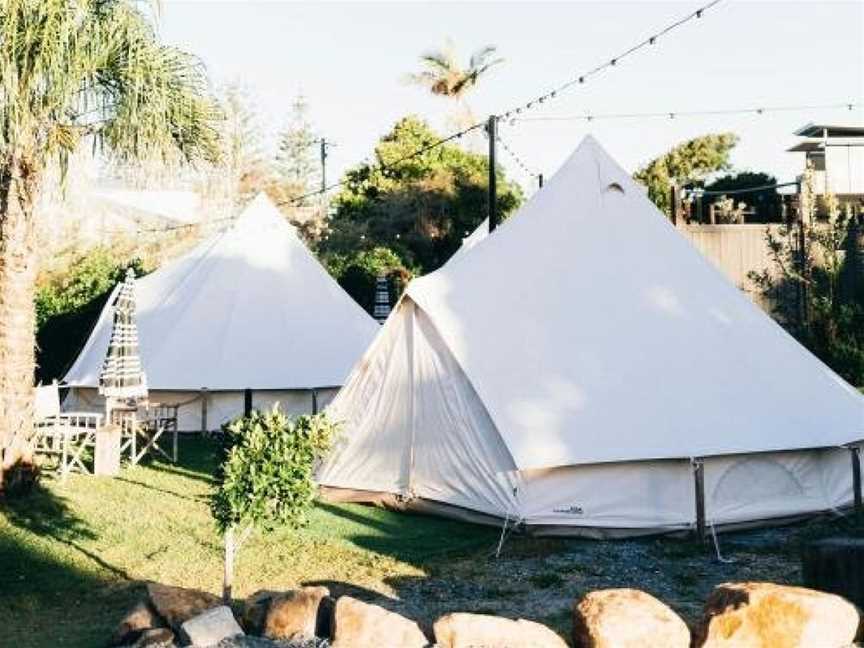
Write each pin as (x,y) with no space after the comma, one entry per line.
(248,308)
(585,370)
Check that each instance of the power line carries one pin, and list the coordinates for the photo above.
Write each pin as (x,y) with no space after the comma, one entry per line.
(672,114)
(609,63)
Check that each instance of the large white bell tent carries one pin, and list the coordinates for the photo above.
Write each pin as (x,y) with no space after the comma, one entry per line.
(585,370)
(248,308)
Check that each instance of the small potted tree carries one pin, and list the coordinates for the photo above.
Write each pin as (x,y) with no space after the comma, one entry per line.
(265,479)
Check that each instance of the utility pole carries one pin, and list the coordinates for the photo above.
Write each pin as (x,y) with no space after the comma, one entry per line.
(323,144)
(492,131)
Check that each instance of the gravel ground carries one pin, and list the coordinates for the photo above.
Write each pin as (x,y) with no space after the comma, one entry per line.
(539,579)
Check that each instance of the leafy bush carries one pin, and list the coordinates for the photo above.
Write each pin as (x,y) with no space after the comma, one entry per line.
(68,305)
(88,278)
(816,285)
(357,273)
(266,478)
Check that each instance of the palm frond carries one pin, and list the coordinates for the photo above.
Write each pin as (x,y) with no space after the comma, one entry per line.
(478,58)
(70,68)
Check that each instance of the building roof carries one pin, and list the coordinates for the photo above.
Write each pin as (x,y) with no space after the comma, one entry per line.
(809,146)
(818,130)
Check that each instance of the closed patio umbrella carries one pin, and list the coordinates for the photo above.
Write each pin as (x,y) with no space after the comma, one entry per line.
(122,376)
(382,300)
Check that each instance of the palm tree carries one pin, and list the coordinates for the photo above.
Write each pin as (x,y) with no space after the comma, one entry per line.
(73,70)
(444,76)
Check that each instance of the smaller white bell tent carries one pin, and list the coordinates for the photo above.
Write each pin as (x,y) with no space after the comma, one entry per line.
(248,308)
(585,370)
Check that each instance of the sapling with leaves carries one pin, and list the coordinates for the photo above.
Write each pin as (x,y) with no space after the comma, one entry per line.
(266,478)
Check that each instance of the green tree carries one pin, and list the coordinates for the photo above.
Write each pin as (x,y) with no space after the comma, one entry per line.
(765,201)
(74,70)
(242,160)
(444,76)
(419,208)
(266,478)
(296,164)
(690,162)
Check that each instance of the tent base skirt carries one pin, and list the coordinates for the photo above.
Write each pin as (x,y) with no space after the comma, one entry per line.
(422,506)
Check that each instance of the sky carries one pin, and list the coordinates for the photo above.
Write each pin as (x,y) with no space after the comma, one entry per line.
(350,59)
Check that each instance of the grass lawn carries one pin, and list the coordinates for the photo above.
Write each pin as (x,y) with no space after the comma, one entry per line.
(74,557)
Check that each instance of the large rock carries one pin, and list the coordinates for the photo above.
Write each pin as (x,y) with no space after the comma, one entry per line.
(361,625)
(626,618)
(462,630)
(178,604)
(211,627)
(766,615)
(295,615)
(255,609)
(140,618)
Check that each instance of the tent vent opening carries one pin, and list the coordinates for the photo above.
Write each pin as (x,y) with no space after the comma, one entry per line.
(614,187)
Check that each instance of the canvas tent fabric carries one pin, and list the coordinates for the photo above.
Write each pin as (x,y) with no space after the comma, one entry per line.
(570,370)
(248,308)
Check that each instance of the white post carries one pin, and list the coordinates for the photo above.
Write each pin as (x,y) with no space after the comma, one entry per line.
(204,411)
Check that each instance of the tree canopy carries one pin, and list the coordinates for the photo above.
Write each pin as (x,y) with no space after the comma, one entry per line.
(419,209)
(690,162)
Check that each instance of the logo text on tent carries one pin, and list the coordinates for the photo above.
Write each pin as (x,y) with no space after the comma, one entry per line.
(570,510)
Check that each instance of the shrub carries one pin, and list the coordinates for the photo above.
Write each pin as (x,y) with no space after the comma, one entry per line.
(266,478)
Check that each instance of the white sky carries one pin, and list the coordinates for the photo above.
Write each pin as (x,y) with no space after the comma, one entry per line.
(349,60)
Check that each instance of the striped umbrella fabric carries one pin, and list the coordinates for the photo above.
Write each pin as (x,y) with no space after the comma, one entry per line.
(382,300)
(122,376)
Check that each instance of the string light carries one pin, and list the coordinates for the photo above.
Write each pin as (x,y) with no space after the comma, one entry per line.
(611,62)
(689,113)
(517,159)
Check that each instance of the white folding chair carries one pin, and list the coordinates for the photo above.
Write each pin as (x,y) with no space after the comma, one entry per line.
(64,435)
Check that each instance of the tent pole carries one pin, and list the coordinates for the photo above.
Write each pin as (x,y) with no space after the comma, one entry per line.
(247,402)
(492,131)
(855,451)
(314,401)
(699,484)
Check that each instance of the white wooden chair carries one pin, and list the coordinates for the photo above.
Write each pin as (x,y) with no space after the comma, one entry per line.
(63,435)
(143,426)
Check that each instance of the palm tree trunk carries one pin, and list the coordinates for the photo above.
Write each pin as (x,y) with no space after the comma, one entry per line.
(18,185)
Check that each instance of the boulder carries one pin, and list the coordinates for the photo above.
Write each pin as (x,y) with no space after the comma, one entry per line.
(361,625)
(210,627)
(462,630)
(140,618)
(178,604)
(295,615)
(155,637)
(763,615)
(626,618)
(255,609)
